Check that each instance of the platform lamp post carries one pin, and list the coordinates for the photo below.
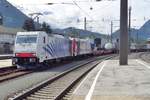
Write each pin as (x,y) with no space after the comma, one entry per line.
(123,32)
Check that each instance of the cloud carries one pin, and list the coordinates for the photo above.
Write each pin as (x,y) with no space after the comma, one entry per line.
(98,19)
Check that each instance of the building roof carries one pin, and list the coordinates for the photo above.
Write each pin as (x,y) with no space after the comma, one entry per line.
(9,30)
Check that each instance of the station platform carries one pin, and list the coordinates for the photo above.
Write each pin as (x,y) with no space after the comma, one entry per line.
(110,81)
(5,63)
(5,56)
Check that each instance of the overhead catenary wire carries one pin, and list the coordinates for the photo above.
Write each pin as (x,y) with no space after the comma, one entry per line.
(74,1)
(82,9)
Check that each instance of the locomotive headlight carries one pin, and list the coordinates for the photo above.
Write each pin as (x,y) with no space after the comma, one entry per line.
(16,54)
(15,60)
(34,54)
(32,60)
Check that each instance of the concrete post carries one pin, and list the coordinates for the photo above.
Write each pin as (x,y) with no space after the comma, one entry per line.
(84,23)
(124,32)
(129,28)
(111,31)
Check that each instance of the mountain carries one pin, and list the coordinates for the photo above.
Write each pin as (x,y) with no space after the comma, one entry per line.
(133,35)
(83,33)
(140,35)
(12,17)
(61,15)
(144,31)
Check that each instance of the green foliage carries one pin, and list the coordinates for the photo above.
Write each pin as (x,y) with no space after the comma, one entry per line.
(29,25)
(74,33)
(92,36)
(1,19)
(46,28)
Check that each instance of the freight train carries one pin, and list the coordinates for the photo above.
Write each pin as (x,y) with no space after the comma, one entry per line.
(37,47)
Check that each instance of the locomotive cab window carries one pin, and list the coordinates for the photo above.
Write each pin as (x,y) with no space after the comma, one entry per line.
(26,39)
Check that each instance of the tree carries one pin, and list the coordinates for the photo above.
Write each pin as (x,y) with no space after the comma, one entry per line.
(29,25)
(92,36)
(49,30)
(46,27)
(1,19)
(74,33)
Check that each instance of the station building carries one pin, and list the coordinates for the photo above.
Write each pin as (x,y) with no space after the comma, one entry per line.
(7,38)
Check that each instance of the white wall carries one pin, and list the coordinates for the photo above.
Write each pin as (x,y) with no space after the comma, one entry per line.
(7,38)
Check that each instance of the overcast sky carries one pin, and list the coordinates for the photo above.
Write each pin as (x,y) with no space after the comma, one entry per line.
(98,19)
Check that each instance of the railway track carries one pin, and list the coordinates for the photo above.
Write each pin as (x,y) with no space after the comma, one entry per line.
(3,69)
(58,86)
(11,73)
(145,56)
(7,73)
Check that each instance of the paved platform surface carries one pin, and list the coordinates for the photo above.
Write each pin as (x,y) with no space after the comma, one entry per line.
(5,63)
(109,81)
(5,55)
